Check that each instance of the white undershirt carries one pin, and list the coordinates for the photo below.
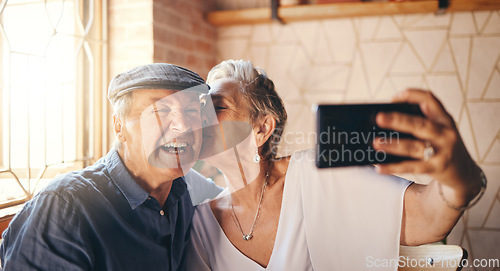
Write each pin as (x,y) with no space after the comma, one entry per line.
(331,219)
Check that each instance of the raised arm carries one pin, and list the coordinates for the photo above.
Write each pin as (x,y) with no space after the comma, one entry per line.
(430,211)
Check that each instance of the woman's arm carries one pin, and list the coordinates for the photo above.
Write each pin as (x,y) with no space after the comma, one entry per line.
(430,211)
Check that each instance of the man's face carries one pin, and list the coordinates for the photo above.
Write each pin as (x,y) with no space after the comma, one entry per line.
(162,133)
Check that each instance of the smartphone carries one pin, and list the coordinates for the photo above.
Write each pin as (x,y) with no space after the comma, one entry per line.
(345,134)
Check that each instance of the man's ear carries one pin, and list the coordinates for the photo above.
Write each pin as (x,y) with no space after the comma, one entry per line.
(264,129)
(118,128)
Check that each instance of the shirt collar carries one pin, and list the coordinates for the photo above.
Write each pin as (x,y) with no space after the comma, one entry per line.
(179,187)
(132,191)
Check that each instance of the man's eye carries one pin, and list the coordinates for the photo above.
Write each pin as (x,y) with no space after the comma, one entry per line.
(192,111)
(161,111)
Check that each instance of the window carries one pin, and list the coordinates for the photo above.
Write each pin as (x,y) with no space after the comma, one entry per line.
(51,92)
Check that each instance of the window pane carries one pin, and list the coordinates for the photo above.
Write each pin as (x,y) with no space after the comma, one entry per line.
(27,27)
(47,88)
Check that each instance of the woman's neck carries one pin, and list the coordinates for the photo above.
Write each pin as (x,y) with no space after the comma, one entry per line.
(245,182)
(249,195)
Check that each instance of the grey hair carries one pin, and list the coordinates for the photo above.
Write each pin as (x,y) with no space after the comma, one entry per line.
(122,106)
(258,90)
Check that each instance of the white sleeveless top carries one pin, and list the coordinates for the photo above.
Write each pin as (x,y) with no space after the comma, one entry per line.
(331,219)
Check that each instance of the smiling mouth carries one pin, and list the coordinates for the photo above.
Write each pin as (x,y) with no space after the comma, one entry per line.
(175,147)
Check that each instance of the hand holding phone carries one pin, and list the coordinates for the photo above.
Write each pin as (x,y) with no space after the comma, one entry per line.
(345,134)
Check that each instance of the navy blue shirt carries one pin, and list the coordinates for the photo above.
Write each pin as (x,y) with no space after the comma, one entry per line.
(99,218)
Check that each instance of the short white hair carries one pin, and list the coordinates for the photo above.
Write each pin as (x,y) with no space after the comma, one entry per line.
(122,107)
(259,93)
(240,70)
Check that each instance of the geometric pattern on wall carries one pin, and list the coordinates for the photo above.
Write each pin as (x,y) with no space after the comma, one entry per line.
(367,59)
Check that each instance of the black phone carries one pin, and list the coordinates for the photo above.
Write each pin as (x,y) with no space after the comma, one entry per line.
(345,134)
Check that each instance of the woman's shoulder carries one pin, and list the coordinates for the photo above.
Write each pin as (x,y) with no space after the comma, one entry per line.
(203,222)
(302,166)
(307,154)
(201,210)
(205,210)
(302,157)
(307,158)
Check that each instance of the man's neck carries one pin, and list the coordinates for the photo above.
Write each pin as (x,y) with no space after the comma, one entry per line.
(162,192)
(159,190)
(154,183)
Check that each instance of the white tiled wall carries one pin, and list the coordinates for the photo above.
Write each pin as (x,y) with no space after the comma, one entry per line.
(370,59)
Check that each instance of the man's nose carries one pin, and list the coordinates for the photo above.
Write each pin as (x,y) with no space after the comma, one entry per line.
(179,122)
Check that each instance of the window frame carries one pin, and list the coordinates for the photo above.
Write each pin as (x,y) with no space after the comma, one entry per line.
(91,134)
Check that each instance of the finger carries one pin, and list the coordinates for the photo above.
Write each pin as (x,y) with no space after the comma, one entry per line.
(401,147)
(429,104)
(418,126)
(413,167)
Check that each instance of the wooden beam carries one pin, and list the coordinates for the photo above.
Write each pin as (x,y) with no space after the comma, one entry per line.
(470,5)
(326,11)
(339,10)
(244,16)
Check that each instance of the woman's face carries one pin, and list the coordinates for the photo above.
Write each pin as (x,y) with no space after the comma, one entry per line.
(227,101)
(228,118)
(230,145)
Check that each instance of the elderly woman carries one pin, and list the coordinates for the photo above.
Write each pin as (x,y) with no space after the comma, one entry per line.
(285,214)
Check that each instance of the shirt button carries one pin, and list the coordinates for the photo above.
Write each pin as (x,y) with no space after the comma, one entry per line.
(162,212)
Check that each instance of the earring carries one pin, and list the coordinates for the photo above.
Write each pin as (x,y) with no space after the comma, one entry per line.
(256,157)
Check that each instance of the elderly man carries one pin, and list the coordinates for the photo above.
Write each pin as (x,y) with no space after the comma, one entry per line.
(132,209)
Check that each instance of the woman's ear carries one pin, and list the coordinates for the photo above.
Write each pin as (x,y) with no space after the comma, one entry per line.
(118,128)
(264,129)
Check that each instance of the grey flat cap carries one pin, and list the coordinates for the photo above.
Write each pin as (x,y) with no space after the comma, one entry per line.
(155,76)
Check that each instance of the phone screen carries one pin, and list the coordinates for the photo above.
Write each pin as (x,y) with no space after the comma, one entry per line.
(345,134)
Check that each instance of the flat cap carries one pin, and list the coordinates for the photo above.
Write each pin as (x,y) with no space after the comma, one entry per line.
(155,76)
